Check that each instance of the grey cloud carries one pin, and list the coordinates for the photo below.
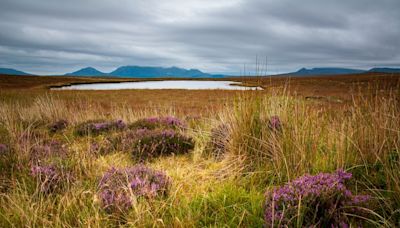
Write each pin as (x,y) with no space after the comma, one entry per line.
(54,36)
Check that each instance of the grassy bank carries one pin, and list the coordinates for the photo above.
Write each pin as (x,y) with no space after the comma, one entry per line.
(266,141)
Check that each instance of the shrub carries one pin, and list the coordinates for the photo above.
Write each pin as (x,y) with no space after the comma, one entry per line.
(158,122)
(3,149)
(120,187)
(125,140)
(8,165)
(150,144)
(58,126)
(219,141)
(50,177)
(321,200)
(104,146)
(97,127)
(48,151)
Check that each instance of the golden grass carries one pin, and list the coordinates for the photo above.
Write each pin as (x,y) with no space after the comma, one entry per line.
(361,135)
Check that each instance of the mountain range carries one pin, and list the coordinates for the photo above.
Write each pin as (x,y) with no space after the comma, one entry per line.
(145,72)
(156,72)
(326,71)
(12,71)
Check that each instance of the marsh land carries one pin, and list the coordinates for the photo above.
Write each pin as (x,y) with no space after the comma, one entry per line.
(208,158)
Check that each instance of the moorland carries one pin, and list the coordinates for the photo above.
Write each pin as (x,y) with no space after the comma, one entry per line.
(305,151)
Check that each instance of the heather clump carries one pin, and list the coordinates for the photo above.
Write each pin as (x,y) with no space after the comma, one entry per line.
(47,151)
(58,126)
(322,200)
(120,188)
(219,140)
(3,149)
(50,178)
(150,144)
(152,123)
(49,166)
(95,127)
(103,146)
(125,140)
(7,160)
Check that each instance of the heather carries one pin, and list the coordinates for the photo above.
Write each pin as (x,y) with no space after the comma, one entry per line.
(45,151)
(150,144)
(57,126)
(119,189)
(261,159)
(321,200)
(51,178)
(152,123)
(219,141)
(96,127)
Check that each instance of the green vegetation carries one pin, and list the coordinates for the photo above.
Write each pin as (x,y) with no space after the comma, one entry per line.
(54,157)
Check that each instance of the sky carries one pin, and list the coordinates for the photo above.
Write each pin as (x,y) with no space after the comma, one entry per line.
(224,36)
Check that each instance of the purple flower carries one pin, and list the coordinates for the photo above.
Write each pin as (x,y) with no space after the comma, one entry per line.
(148,144)
(117,186)
(48,150)
(324,199)
(274,123)
(50,177)
(97,127)
(152,123)
(3,149)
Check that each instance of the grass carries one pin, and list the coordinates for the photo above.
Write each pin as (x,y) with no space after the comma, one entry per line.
(361,135)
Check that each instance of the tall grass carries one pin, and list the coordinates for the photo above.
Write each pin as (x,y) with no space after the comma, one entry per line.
(362,137)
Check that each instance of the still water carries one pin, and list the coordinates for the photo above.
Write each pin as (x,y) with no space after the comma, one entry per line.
(178,84)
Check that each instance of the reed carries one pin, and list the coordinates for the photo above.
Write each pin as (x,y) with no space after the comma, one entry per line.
(269,140)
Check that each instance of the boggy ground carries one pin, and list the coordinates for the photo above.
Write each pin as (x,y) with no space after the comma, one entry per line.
(246,144)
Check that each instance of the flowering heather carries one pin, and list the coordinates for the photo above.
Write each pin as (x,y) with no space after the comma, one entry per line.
(47,151)
(3,149)
(323,200)
(98,127)
(274,123)
(219,140)
(125,140)
(49,177)
(158,122)
(119,187)
(58,126)
(150,144)
(103,147)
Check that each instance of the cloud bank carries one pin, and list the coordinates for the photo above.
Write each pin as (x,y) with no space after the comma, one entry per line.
(54,36)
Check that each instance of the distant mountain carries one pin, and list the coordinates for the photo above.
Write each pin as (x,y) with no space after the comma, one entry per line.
(88,71)
(385,70)
(12,71)
(150,72)
(326,71)
(145,72)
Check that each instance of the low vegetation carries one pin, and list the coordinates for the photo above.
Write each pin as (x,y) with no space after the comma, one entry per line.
(264,160)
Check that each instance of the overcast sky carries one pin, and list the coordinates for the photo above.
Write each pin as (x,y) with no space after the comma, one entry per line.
(59,36)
